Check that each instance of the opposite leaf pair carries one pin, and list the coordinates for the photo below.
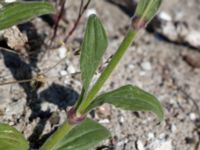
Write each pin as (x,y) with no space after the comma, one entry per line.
(127,97)
(87,133)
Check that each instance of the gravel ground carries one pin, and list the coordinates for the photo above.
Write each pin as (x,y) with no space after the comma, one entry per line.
(152,63)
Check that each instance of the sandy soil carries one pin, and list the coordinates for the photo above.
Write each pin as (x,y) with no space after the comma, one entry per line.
(152,63)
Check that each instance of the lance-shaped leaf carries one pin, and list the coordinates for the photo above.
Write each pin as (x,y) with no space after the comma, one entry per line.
(83,137)
(93,47)
(19,12)
(145,11)
(11,139)
(130,98)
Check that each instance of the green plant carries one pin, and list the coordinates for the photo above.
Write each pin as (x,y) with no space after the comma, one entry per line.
(79,132)
(19,12)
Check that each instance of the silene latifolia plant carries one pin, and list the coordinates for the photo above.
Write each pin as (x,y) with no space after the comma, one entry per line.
(79,132)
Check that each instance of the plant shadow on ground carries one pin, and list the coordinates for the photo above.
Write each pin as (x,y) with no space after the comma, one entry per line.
(61,96)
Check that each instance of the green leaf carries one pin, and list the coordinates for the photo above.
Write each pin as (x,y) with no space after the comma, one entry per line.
(83,137)
(147,9)
(130,98)
(11,139)
(19,12)
(93,47)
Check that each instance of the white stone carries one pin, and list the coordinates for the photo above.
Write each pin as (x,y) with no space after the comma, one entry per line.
(11,123)
(131,66)
(151,136)
(142,73)
(45,106)
(140,145)
(193,38)
(161,145)
(146,66)
(121,119)
(167,145)
(63,73)
(10,1)
(104,121)
(66,81)
(71,69)
(173,128)
(165,16)
(169,30)
(162,135)
(193,116)
(90,11)
(62,52)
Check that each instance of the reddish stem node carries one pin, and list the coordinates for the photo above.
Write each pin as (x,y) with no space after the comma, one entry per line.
(73,118)
(138,23)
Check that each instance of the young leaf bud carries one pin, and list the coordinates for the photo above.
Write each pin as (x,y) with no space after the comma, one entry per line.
(145,11)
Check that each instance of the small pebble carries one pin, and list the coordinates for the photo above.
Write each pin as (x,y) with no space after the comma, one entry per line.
(63,73)
(121,119)
(140,145)
(151,136)
(164,16)
(45,106)
(162,136)
(10,1)
(173,128)
(11,123)
(146,66)
(193,38)
(193,116)
(131,66)
(104,121)
(62,52)
(47,128)
(161,145)
(71,69)
(90,11)
(142,73)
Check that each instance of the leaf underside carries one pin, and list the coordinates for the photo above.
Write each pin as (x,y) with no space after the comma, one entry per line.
(92,49)
(20,12)
(11,139)
(83,137)
(130,98)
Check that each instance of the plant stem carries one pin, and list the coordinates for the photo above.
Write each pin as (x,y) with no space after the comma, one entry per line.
(128,39)
(66,127)
(57,136)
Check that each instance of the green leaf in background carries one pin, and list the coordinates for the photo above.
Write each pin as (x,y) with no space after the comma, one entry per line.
(11,139)
(19,12)
(93,47)
(83,137)
(130,98)
(145,11)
